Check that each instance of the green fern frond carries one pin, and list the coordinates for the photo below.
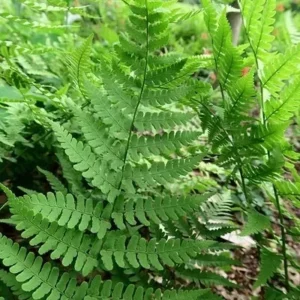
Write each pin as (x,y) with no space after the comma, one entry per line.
(269,264)
(118,123)
(158,210)
(160,173)
(242,95)
(216,212)
(42,280)
(79,63)
(277,71)
(85,161)
(63,243)
(99,290)
(256,223)
(282,108)
(73,177)
(160,120)
(204,277)
(268,171)
(159,97)
(55,183)
(165,75)
(210,16)
(10,281)
(215,260)
(228,61)
(159,144)
(290,190)
(149,254)
(98,139)
(81,213)
(259,19)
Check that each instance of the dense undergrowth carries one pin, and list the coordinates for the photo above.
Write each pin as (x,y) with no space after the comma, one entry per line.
(138,136)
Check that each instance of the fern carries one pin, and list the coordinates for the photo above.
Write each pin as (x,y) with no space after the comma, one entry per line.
(207,278)
(35,277)
(16,287)
(256,223)
(277,71)
(269,264)
(54,181)
(42,280)
(156,163)
(259,19)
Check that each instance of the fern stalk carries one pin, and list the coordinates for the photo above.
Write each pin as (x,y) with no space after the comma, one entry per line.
(283,239)
(264,120)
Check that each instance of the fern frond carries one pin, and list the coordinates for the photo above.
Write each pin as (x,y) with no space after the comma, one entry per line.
(79,63)
(99,290)
(149,254)
(204,277)
(159,97)
(166,74)
(278,69)
(282,108)
(217,211)
(73,177)
(10,281)
(228,61)
(268,171)
(99,140)
(210,16)
(160,120)
(259,19)
(242,96)
(118,123)
(85,161)
(157,210)
(215,260)
(158,144)
(256,223)
(66,211)
(55,183)
(290,190)
(160,173)
(269,264)
(42,280)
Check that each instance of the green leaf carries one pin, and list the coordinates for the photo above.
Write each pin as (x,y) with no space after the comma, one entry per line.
(269,264)
(256,223)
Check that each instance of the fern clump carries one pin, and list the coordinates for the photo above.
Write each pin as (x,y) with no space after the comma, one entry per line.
(134,139)
(154,164)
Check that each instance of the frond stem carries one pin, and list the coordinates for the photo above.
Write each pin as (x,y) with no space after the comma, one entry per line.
(4,205)
(283,239)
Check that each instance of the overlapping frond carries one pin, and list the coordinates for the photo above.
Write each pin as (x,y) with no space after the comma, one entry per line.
(259,18)
(137,251)
(269,264)
(282,108)
(55,183)
(256,223)
(79,63)
(42,280)
(277,70)
(10,281)
(85,161)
